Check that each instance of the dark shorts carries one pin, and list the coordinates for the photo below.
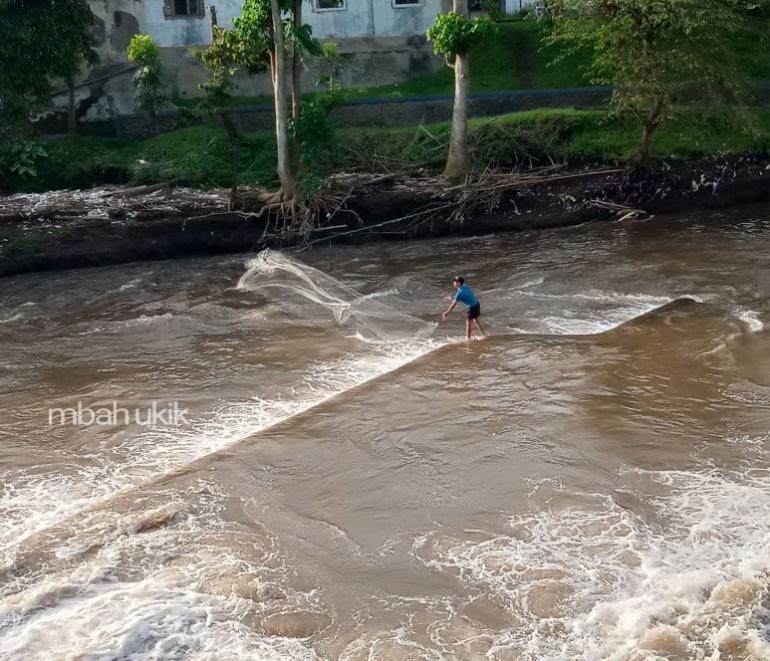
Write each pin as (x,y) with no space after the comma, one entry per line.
(474,312)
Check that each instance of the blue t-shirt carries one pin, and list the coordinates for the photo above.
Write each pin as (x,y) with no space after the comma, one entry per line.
(465,295)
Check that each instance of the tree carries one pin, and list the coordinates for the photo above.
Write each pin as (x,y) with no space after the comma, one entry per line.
(272,30)
(453,36)
(224,58)
(40,41)
(150,89)
(657,53)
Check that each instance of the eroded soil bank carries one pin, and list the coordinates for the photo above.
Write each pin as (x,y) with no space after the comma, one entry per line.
(73,229)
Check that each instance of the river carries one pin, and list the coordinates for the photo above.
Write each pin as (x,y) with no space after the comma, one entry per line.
(590,482)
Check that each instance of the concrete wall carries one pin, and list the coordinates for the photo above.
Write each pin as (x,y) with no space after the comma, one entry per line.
(368,61)
(409,112)
(382,44)
(106,90)
(390,19)
(357,18)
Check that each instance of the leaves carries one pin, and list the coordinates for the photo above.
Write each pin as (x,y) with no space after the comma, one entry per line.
(454,35)
(148,78)
(657,53)
(40,40)
(26,159)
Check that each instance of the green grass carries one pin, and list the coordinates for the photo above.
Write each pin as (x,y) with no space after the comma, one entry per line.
(513,59)
(198,156)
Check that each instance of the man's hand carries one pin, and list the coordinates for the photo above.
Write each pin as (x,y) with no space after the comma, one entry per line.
(443,315)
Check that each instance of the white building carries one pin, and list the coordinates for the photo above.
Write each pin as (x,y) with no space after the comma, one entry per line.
(383,42)
(186,22)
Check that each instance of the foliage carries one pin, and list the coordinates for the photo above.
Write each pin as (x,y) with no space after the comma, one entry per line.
(255,28)
(314,131)
(274,33)
(148,79)
(454,35)
(333,64)
(513,58)
(657,53)
(197,156)
(40,40)
(26,159)
(227,54)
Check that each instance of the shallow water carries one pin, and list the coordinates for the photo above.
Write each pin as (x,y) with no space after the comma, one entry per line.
(591,482)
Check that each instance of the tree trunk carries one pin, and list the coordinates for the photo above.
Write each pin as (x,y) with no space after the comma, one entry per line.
(296,86)
(72,120)
(234,172)
(285,171)
(650,124)
(459,161)
(296,89)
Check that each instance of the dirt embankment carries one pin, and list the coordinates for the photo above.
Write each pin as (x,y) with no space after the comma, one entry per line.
(108,226)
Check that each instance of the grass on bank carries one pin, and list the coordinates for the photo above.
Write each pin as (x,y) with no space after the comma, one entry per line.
(515,58)
(198,156)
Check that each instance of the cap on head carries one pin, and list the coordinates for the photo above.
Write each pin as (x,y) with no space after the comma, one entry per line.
(459,279)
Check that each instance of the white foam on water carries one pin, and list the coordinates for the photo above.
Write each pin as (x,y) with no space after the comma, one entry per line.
(198,590)
(11,318)
(751,319)
(32,501)
(596,582)
(130,284)
(622,308)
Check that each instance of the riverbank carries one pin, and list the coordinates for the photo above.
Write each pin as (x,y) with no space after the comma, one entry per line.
(199,157)
(104,226)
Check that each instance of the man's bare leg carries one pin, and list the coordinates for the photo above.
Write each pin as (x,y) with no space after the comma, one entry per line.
(468,329)
(480,327)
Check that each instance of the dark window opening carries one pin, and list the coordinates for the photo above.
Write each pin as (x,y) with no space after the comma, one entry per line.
(187,8)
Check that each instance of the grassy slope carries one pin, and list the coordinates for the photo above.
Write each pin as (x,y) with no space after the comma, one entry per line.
(513,59)
(198,156)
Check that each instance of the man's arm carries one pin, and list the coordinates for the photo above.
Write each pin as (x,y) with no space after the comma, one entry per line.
(449,309)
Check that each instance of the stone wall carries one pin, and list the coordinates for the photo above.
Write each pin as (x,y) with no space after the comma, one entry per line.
(369,61)
(389,47)
(408,112)
(108,90)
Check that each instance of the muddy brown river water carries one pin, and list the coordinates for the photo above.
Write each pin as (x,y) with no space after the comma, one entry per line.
(591,482)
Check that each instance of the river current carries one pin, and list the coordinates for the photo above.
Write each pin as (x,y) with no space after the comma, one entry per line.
(590,482)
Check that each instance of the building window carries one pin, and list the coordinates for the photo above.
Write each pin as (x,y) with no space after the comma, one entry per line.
(330,5)
(407,3)
(183,8)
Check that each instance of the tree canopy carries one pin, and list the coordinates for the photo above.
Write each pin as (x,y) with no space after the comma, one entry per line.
(657,53)
(40,41)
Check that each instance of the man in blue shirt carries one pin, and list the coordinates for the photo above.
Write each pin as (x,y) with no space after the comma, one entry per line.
(468,298)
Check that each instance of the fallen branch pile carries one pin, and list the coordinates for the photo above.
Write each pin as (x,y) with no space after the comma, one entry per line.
(391,202)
